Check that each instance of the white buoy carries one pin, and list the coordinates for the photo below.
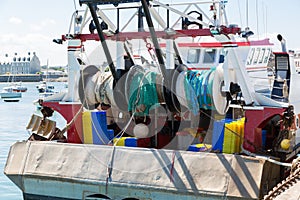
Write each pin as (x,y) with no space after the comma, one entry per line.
(141,130)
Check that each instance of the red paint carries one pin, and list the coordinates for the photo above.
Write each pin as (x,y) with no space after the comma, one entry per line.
(253,68)
(230,30)
(68,111)
(206,68)
(255,121)
(280,53)
(74,47)
(144,142)
(122,36)
(264,42)
(200,68)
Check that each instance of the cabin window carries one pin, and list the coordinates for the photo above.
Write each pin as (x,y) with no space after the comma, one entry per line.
(209,56)
(281,75)
(193,56)
(250,57)
(261,55)
(267,55)
(282,68)
(255,58)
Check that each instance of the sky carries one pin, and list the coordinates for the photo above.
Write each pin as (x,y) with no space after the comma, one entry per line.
(31,25)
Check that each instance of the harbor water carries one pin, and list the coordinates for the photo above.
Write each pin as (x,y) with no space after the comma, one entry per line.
(14,117)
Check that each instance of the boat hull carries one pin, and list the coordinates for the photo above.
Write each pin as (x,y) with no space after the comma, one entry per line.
(49,170)
(7,95)
(11,100)
(20,90)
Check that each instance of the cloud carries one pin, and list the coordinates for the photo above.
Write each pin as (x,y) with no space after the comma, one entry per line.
(33,42)
(35,27)
(48,22)
(15,20)
(42,25)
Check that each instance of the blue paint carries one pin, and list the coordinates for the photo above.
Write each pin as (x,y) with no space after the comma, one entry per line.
(264,137)
(218,135)
(131,142)
(99,128)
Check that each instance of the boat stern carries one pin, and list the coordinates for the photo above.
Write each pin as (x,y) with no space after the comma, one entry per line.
(16,162)
(38,167)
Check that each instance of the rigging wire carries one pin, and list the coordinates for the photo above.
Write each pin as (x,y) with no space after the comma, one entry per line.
(122,132)
(266,22)
(257,24)
(264,18)
(247,13)
(74,4)
(239,6)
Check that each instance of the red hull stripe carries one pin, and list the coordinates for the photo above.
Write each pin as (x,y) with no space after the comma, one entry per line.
(220,45)
(207,68)
(122,36)
(253,68)
(74,47)
(194,68)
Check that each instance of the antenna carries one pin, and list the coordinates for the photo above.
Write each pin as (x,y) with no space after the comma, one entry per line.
(247,13)
(257,25)
(266,20)
(264,12)
(74,4)
(239,5)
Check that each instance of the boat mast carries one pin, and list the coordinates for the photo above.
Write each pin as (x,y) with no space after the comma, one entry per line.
(47,72)
(154,40)
(247,14)
(92,8)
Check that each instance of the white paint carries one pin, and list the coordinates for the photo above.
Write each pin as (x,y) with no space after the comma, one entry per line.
(120,56)
(54,171)
(170,54)
(74,70)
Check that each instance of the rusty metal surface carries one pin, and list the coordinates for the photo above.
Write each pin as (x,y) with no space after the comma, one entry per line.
(288,189)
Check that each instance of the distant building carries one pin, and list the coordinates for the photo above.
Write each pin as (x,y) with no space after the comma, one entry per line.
(20,64)
(297,60)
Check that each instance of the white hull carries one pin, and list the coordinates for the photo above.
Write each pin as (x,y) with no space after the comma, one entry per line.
(49,170)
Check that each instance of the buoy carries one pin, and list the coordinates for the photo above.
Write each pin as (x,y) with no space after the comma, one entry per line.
(285,144)
(141,130)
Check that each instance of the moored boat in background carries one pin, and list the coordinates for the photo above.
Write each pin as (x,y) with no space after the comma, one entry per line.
(44,87)
(18,87)
(8,94)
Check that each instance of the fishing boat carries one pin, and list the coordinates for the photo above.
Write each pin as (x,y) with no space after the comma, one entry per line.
(9,95)
(18,87)
(45,87)
(45,90)
(192,115)
(12,92)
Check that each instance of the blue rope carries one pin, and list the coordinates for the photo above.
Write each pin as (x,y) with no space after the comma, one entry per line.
(201,84)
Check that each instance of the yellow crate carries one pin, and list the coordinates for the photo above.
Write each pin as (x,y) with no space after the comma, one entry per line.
(87,128)
(233,136)
(228,137)
(120,141)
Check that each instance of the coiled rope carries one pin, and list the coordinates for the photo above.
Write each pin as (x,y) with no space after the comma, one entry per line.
(200,84)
